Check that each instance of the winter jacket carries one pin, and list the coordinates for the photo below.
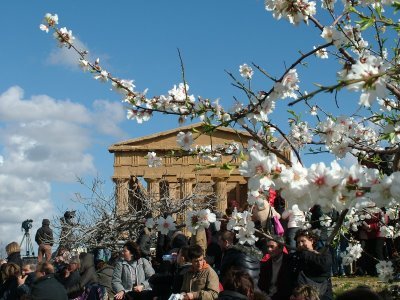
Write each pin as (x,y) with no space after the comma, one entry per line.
(239,260)
(122,278)
(44,235)
(9,289)
(48,288)
(284,286)
(15,258)
(178,278)
(105,277)
(87,274)
(316,266)
(204,284)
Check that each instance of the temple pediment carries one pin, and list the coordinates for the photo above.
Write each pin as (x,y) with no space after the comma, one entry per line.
(166,140)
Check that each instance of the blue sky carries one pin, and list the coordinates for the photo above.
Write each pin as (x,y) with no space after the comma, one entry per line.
(56,122)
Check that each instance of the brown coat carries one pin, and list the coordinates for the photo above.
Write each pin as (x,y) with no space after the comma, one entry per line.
(203,284)
(200,238)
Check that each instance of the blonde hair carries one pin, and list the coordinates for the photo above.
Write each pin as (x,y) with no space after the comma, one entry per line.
(12,248)
(10,270)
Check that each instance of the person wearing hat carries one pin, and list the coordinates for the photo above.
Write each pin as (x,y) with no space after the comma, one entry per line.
(44,238)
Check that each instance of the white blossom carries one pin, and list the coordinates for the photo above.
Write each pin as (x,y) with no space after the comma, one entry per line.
(385,270)
(165,225)
(246,71)
(196,220)
(294,11)
(368,70)
(102,76)
(64,37)
(44,28)
(153,161)
(321,53)
(246,234)
(185,140)
(50,19)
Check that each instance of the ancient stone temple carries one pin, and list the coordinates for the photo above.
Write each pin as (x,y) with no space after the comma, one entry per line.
(176,177)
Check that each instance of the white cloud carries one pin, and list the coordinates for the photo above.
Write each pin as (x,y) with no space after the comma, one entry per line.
(66,57)
(109,114)
(43,140)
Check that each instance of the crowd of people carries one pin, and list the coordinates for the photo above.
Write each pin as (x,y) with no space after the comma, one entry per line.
(208,265)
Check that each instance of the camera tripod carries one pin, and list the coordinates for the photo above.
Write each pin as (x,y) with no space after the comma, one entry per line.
(28,244)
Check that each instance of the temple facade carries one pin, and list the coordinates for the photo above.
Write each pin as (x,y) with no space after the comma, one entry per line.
(177,177)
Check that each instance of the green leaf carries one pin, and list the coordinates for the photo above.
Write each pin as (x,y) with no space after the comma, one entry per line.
(227,166)
(396,6)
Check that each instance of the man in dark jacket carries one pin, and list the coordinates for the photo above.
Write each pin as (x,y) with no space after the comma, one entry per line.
(46,287)
(274,273)
(44,238)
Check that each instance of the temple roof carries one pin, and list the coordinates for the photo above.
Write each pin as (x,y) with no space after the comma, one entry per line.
(166,140)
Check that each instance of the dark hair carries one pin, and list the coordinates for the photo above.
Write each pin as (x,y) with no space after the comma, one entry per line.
(239,281)
(228,236)
(195,251)
(308,234)
(134,249)
(185,252)
(280,240)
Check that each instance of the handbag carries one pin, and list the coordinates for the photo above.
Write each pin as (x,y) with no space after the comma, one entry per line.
(269,225)
(321,287)
(278,226)
(273,225)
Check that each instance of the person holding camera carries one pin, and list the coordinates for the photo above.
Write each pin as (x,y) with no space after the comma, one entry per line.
(44,238)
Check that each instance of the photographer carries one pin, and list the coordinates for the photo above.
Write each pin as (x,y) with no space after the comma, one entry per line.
(44,238)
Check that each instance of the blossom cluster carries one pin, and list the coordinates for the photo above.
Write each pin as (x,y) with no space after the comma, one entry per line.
(196,220)
(331,187)
(163,225)
(385,270)
(340,135)
(242,223)
(368,77)
(294,11)
(352,253)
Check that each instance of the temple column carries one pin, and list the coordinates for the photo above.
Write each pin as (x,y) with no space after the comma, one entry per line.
(186,186)
(220,190)
(186,189)
(173,190)
(153,187)
(121,195)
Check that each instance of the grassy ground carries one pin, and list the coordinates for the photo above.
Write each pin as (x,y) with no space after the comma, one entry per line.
(341,284)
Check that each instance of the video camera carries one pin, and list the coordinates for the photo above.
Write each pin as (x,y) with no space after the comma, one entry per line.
(27,224)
